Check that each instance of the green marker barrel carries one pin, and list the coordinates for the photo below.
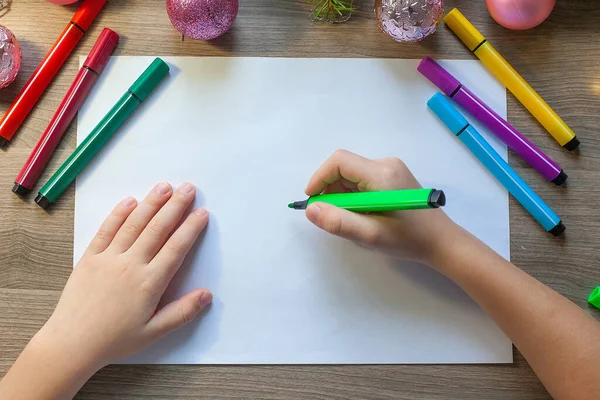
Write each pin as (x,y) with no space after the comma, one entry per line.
(93,143)
(394,200)
(594,298)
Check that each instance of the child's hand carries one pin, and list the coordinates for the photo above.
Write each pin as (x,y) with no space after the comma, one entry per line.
(108,309)
(414,235)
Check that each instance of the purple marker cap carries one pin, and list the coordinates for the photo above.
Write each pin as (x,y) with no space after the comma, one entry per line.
(438,75)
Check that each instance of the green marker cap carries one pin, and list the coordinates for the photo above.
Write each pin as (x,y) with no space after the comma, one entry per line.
(150,79)
(594,298)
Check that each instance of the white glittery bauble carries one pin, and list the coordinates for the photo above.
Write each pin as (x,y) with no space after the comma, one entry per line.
(409,20)
(202,19)
(10,57)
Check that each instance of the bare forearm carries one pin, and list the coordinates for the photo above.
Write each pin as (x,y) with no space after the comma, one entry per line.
(557,338)
(44,371)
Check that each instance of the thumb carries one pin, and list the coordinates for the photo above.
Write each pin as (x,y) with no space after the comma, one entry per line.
(179,312)
(349,225)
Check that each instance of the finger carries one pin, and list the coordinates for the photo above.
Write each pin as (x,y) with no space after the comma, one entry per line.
(348,186)
(342,165)
(171,256)
(178,313)
(166,219)
(139,218)
(341,186)
(335,187)
(111,226)
(349,225)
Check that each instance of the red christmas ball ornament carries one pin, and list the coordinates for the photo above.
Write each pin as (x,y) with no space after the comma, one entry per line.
(10,57)
(202,19)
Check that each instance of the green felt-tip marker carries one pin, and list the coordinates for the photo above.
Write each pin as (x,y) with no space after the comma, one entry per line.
(395,200)
(93,143)
(594,298)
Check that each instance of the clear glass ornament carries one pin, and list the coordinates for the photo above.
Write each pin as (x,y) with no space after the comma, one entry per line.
(409,20)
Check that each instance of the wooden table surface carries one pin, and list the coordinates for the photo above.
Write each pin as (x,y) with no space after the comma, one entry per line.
(561,59)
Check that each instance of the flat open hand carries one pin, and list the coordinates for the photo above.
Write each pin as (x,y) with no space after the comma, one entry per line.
(108,309)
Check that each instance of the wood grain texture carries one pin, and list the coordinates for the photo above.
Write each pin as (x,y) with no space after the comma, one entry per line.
(559,58)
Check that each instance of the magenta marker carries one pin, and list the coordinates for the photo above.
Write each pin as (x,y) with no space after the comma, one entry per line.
(495,123)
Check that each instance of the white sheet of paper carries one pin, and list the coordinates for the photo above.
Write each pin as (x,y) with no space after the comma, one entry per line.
(249,133)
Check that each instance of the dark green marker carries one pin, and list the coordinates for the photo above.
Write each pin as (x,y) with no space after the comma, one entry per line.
(93,143)
(395,200)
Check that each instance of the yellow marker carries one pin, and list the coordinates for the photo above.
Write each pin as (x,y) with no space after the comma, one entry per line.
(510,78)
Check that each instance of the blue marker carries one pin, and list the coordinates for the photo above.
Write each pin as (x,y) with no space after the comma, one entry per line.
(515,185)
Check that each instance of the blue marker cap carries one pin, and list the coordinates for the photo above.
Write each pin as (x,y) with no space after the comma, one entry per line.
(446,112)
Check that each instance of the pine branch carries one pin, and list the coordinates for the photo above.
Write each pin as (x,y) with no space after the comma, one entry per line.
(331,9)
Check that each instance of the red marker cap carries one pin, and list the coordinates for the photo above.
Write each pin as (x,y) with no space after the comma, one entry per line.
(87,13)
(100,53)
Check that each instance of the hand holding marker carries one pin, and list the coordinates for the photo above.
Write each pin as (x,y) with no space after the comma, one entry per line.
(395,200)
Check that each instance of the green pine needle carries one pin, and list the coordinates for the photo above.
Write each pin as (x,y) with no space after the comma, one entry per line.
(331,9)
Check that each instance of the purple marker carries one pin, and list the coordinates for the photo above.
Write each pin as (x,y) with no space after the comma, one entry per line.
(495,123)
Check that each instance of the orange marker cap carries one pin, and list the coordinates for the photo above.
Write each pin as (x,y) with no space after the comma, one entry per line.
(87,13)
(463,29)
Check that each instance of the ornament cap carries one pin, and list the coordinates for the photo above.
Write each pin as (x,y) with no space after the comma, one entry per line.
(465,31)
(150,79)
(103,48)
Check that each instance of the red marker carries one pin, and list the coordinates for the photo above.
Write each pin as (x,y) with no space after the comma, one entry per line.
(85,79)
(49,67)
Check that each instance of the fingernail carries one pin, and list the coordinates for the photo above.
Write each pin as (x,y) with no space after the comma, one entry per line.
(205,299)
(128,202)
(162,189)
(186,188)
(201,212)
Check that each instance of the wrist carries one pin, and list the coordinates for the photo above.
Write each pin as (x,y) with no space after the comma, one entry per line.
(448,240)
(61,356)
(46,369)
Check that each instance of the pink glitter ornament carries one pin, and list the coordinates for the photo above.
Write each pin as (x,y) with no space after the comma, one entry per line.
(520,14)
(202,19)
(10,57)
(408,20)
